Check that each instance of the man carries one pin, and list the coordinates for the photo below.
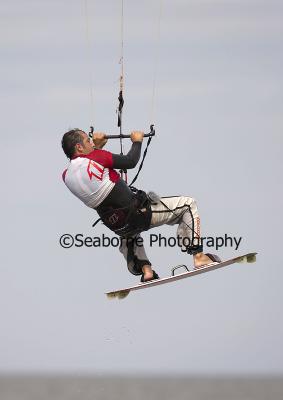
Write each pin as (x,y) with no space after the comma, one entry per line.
(91,176)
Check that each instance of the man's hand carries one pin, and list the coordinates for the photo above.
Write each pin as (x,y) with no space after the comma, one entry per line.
(137,136)
(99,140)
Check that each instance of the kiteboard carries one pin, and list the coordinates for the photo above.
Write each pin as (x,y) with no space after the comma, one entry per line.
(122,293)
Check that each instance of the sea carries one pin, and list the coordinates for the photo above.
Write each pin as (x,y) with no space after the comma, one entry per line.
(64,387)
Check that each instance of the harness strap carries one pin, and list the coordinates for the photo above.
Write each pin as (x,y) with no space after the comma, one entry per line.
(130,220)
(96,222)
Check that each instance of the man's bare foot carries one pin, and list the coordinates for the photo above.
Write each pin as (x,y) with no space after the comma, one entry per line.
(147,272)
(201,259)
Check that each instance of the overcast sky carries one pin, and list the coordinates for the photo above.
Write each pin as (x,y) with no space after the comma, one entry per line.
(218,117)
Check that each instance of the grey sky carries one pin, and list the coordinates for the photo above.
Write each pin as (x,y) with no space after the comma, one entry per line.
(218,116)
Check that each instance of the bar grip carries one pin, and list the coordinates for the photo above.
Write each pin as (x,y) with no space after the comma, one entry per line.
(150,134)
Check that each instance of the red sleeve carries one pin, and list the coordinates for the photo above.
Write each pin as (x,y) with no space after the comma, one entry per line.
(103,157)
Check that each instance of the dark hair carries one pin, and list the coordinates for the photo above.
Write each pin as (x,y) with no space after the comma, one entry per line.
(69,141)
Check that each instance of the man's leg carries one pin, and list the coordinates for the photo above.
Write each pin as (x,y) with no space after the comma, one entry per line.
(136,258)
(182,210)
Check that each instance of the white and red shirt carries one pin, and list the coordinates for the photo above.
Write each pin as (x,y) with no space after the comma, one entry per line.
(91,177)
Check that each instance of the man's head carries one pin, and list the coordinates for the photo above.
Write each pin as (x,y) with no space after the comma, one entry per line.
(76,142)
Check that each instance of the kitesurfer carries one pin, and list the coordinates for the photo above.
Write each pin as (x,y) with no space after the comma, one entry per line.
(91,176)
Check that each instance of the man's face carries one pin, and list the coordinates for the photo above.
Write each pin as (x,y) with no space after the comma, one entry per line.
(87,145)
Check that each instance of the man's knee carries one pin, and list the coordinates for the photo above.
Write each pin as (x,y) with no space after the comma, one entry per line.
(190,200)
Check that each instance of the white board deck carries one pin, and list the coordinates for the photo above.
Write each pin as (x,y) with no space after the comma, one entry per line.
(122,293)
